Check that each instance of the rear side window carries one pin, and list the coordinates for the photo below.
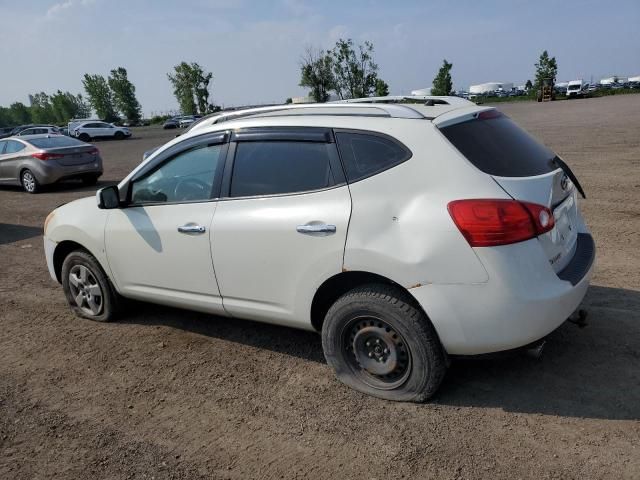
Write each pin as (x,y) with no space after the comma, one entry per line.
(53,142)
(366,154)
(13,146)
(497,146)
(274,167)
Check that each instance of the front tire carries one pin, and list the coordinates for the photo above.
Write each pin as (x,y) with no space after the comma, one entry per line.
(29,182)
(119,136)
(87,288)
(379,343)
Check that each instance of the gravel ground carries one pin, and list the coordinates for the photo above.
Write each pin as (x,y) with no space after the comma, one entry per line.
(172,394)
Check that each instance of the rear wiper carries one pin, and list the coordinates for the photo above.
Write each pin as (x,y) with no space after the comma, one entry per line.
(565,168)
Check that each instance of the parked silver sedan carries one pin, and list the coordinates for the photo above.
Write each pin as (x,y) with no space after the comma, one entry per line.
(35,160)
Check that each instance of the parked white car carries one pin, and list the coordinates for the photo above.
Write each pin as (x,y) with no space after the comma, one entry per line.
(402,233)
(86,131)
(40,130)
(575,88)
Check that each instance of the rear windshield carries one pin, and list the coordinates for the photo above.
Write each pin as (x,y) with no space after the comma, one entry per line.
(55,142)
(497,146)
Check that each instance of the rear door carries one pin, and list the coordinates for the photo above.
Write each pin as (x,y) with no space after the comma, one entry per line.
(281,229)
(526,170)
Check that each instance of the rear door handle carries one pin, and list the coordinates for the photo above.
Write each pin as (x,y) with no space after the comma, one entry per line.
(319,229)
(192,229)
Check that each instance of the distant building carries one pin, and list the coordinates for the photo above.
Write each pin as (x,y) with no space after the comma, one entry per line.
(302,100)
(490,87)
(422,91)
(634,79)
(612,80)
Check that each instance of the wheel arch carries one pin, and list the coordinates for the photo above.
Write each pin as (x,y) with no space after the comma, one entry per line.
(336,286)
(63,249)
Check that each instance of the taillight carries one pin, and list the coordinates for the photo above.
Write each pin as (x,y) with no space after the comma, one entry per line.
(93,151)
(46,155)
(487,223)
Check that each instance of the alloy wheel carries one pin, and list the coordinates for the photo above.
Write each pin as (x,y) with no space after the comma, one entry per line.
(29,181)
(85,290)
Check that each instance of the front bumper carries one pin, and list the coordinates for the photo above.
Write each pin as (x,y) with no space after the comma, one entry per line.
(49,249)
(523,301)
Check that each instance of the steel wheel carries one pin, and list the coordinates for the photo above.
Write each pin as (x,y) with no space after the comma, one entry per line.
(376,352)
(85,290)
(29,181)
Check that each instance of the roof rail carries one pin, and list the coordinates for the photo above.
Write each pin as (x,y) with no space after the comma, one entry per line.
(378,110)
(428,100)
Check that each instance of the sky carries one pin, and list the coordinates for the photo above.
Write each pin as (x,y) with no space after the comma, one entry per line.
(254,48)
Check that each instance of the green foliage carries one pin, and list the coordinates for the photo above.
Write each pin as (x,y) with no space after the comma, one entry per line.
(316,73)
(100,96)
(159,119)
(288,101)
(528,85)
(354,73)
(19,113)
(442,83)
(382,89)
(191,87)
(547,67)
(124,95)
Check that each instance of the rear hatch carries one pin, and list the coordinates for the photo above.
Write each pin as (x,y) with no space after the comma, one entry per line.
(66,151)
(525,169)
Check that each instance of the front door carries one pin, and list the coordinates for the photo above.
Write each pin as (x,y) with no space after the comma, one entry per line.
(281,230)
(158,246)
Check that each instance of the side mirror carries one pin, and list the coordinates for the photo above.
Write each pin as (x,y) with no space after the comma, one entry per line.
(108,197)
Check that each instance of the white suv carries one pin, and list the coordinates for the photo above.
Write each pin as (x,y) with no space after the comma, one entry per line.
(85,131)
(404,233)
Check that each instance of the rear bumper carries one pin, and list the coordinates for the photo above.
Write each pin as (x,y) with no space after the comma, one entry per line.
(523,301)
(51,172)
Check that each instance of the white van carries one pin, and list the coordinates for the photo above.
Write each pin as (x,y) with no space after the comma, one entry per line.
(575,88)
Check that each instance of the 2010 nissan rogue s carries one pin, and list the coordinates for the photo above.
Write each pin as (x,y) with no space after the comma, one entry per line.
(403,232)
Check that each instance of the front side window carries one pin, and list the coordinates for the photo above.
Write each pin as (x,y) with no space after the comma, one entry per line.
(13,146)
(367,154)
(187,177)
(280,167)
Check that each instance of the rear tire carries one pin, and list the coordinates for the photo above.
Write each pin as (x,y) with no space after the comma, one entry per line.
(87,288)
(29,182)
(84,137)
(379,343)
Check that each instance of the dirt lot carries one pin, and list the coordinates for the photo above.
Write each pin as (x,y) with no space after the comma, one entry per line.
(171,394)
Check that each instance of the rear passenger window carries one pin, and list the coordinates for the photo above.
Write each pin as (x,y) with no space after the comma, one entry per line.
(13,146)
(273,167)
(367,154)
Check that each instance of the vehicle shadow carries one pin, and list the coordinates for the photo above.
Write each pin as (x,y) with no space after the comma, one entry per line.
(10,233)
(592,372)
(289,341)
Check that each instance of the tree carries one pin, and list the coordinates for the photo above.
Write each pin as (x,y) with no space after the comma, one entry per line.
(546,67)
(528,86)
(382,89)
(316,73)
(124,94)
(288,101)
(100,96)
(191,87)
(41,109)
(354,74)
(19,114)
(442,84)
(66,106)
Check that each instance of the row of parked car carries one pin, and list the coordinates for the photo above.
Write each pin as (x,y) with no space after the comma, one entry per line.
(81,129)
(181,121)
(36,155)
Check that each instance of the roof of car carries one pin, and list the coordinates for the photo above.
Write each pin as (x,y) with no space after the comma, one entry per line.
(410,107)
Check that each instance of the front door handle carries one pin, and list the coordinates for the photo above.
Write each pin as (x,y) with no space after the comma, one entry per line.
(192,229)
(319,229)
